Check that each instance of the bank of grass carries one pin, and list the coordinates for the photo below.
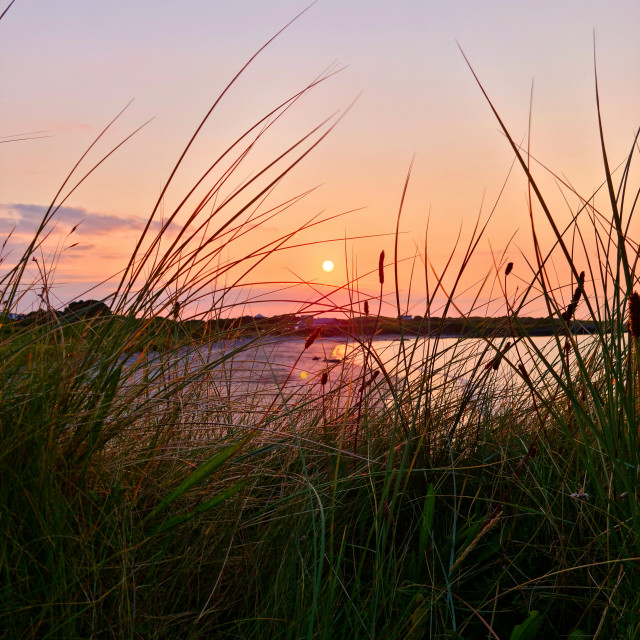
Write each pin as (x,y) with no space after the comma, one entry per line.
(145,495)
(149,501)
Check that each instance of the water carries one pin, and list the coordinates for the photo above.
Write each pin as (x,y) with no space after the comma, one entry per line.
(274,362)
(259,383)
(262,368)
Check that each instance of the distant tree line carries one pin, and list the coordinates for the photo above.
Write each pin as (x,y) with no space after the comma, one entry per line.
(300,325)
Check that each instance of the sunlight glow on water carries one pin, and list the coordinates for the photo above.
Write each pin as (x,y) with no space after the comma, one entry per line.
(270,365)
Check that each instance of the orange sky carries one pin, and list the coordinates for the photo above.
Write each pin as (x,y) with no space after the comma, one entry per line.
(68,67)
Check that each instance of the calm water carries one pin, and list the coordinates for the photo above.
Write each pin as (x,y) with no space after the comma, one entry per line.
(271,362)
(244,379)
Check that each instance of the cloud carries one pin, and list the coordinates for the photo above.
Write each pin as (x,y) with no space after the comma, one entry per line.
(26,218)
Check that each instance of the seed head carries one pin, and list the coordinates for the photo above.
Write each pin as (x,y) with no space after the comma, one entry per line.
(524,372)
(495,362)
(634,315)
(381,267)
(578,291)
(567,315)
(312,338)
(324,378)
(509,268)
(371,380)
(366,307)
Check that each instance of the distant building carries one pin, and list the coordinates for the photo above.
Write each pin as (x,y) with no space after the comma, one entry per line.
(326,322)
(306,322)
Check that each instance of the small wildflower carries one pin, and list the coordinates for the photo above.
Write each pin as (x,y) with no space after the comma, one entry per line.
(579,496)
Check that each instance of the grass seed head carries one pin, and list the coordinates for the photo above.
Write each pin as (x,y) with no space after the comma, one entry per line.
(372,379)
(312,338)
(567,315)
(495,362)
(509,269)
(381,267)
(578,291)
(634,315)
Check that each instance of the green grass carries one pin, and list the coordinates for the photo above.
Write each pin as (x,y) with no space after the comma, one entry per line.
(143,496)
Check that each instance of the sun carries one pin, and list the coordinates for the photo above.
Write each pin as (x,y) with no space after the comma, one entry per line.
(327,265)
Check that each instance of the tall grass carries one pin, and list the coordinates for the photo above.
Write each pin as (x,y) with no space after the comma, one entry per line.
(488,493)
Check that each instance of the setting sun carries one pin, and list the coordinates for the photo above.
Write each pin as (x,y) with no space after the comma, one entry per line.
(327,265)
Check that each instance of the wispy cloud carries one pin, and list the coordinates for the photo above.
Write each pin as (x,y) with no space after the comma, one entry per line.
(25,218)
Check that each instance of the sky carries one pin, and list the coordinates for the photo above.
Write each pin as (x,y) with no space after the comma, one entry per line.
(68,68)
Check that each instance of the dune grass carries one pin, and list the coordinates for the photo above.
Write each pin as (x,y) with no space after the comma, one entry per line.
(492,493)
